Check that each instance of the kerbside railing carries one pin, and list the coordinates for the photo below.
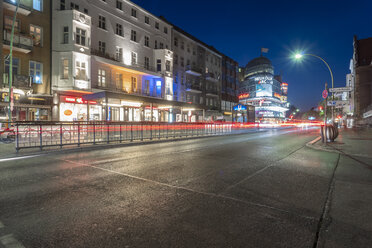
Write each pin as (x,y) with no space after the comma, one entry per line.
(40,135)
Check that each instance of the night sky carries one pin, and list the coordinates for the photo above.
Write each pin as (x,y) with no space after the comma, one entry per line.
(239,28)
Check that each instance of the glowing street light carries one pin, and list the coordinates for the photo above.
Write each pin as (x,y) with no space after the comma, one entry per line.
(299,56)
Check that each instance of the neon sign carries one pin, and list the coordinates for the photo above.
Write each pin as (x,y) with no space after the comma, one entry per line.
(77,100)
(277,95)
(240,107)
(243,96)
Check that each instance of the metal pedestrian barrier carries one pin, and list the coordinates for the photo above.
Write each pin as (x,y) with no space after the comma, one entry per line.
(44,134)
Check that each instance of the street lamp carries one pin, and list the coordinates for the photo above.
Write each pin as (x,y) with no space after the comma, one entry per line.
(10,57)
(299,56)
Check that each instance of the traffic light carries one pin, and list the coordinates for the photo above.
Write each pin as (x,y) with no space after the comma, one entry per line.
(320,108)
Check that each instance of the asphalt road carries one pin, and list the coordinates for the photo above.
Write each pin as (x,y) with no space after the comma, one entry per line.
(262,189)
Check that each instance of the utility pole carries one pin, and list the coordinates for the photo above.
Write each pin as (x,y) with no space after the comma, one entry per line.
(10,96)
(325,115)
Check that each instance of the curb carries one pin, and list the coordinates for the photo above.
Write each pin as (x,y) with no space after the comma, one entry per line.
(318,148)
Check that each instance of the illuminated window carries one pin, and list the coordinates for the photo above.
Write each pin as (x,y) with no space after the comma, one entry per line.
(65,69)
(134,84)
(134,58)
(119,54)
(80,36)
(38,5)
(101,78)
(80,70)
(37,35)
(36,72)
(8,22)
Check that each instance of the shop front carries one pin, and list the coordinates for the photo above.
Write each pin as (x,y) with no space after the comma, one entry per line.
(26,107)
(73,108)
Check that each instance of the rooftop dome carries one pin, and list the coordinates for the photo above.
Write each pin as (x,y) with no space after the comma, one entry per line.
(258,61)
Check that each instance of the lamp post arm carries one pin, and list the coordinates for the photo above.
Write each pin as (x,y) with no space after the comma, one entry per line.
(329,68)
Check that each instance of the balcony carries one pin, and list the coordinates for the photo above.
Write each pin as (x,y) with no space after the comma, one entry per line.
(212,92)
(211,77)
(23,9)
(194,88)
(19,81)
(193,70)
(21,43)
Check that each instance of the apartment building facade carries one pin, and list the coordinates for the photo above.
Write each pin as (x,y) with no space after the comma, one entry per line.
(112,60)
(31,61)
(230,86)
(197,76)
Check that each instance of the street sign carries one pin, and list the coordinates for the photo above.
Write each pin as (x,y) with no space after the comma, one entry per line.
(337,103)
(340,89)
(325,94)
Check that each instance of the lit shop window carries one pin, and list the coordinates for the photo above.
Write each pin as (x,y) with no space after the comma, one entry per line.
(36,72)
(36,33)
(80,36)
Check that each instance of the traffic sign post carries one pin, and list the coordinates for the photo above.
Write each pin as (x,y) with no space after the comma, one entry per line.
(340,89)
(325,93)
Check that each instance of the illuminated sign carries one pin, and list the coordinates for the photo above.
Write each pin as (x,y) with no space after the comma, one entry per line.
(4,96)
(131,104)
(283,98)
(78,100)
(240,107)
(264,90)
(264,80)
(243,96)
(277,95)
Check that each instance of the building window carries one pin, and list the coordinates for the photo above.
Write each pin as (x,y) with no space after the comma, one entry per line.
(147,20)
(119,29)
(175,42)
(161,45)
(15,66)
(36,33)
(156,25)
(102,47)
(101,78)
(167,65)
(158,65)
(147,63)
(134,58)
(134,13)
(65,35)
(80,36)
(119,4)
(74,6)
(8,23)
(119,81)
(176,59)
(36,72)
(119,54)
(147,41)
(62,5)
(188,62)
(156,44)
(38,5)
(80,70)
(134,84)
(182,61)
(102,22)
(133,36)
(165,30)
(85,11)
(182,45)
(147,87)
(65,69)
(188,48)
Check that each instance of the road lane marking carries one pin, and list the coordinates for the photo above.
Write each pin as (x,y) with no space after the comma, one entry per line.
(201,192)
(10,242)
(18,158)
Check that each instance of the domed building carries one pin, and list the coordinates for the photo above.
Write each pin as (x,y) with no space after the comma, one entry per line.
(263,90)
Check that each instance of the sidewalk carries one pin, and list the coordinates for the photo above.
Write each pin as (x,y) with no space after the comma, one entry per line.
(348,219)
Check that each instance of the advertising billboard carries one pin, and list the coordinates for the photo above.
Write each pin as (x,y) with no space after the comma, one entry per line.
(264,90)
